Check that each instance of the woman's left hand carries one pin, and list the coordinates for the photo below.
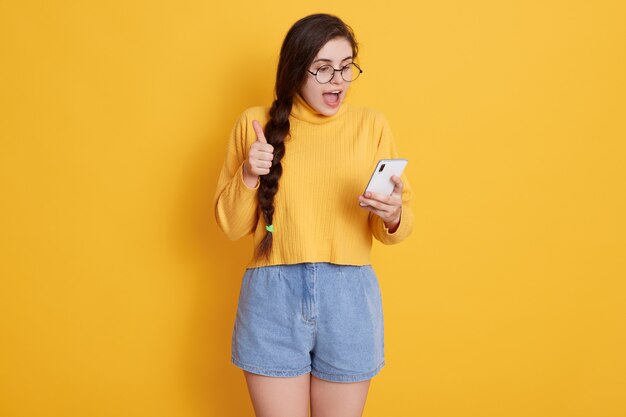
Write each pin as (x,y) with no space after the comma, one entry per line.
(387,207)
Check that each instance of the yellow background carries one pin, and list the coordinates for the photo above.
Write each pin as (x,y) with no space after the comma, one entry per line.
(118,292)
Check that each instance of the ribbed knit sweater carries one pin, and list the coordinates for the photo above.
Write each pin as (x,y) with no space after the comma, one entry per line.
(327,164)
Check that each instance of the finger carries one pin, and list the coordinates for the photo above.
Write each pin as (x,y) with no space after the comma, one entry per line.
(257,169)
(260,159)
(264,155)
(377,196)
(260,136)
(375,204)
(398,187)
(391,200)
(385,216)
(377,212)
(263,164)
(265,147)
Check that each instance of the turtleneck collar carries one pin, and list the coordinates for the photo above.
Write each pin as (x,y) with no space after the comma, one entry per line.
(301,110)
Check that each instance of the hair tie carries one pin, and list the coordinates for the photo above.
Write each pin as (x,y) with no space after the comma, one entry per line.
(270,228)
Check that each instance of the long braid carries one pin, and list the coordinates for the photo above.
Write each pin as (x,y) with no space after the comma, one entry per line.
(276,130)
(302,43)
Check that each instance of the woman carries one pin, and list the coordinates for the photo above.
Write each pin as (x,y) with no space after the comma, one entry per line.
(309,325)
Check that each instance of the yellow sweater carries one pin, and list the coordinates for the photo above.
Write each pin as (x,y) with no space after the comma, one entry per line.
(327,164)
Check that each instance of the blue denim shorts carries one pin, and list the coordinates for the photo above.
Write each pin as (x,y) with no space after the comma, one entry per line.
(322,318)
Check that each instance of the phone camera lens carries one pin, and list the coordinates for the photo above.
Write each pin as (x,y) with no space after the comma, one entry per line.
(381,168)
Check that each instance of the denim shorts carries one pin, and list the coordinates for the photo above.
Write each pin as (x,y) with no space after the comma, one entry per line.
(322,318)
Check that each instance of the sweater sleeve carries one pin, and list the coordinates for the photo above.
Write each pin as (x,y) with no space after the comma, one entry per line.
(387,150)
(234,202)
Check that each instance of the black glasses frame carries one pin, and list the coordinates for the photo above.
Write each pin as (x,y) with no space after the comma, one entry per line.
(340,73)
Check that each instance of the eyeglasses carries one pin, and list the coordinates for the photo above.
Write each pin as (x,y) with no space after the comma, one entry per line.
(326,73)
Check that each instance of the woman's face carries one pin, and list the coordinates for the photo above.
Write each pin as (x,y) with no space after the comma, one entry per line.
(327,98)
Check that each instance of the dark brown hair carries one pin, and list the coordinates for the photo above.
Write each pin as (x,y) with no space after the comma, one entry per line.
(302,43)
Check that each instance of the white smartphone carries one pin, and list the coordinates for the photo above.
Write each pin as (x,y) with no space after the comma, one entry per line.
(380,181)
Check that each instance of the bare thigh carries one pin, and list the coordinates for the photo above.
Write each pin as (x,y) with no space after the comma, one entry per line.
(279,397)
(338,399)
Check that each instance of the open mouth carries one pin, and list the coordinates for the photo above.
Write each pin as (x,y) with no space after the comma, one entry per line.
(331,98)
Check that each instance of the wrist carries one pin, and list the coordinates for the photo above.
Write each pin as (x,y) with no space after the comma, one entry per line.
(251,180)
(393,225)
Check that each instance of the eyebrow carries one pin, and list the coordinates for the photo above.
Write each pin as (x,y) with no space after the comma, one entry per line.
(330,60)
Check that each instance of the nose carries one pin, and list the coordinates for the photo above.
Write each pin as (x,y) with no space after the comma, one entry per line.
(337,78)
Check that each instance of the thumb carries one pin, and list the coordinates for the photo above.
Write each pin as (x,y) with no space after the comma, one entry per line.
(398,187)
(260,136)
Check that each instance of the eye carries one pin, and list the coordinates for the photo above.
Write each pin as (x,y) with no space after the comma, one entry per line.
(325,69)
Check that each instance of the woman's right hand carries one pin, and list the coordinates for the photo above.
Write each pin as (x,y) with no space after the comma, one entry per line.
(259,159)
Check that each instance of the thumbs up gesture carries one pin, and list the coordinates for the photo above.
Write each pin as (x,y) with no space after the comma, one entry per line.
(260,156)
